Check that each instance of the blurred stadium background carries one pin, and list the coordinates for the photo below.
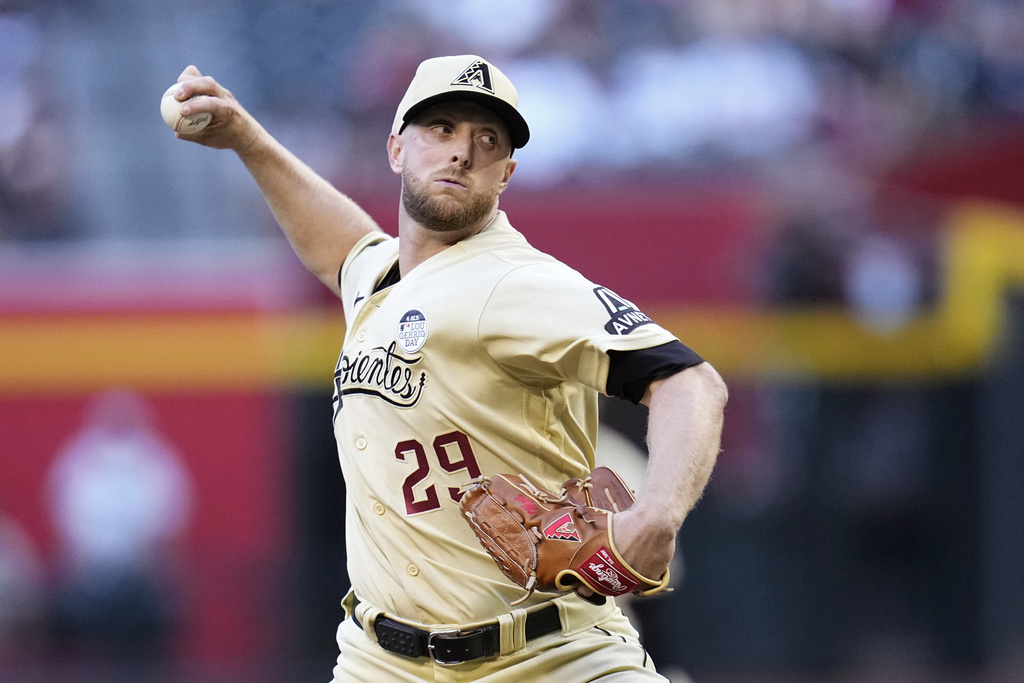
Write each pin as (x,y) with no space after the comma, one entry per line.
(823,197)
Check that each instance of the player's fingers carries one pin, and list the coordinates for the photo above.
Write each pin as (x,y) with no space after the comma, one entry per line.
(220,110)
(195,106)
(198,97)
(190,72)
(192,83)
(230,127)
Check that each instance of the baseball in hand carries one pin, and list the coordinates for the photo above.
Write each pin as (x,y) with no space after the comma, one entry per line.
(170,109)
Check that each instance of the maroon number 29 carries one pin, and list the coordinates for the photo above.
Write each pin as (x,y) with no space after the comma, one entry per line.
(444,445)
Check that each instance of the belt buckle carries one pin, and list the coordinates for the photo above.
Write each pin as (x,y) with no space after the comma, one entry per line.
(448,635)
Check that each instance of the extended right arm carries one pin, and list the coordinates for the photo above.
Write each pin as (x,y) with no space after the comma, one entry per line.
(321,223)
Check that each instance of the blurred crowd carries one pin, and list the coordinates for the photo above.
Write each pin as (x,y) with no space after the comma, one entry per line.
(818,97)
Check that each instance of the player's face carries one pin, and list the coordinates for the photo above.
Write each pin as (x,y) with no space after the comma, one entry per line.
(455,161)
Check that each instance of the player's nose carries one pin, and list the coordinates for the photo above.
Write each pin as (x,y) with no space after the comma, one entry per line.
(462,150)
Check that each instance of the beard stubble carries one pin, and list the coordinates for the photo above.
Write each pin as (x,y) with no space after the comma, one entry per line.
(439,215)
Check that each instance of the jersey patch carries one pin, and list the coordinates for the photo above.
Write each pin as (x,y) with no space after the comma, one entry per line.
(412,331)
(625,316)
(476,75)
(562,529)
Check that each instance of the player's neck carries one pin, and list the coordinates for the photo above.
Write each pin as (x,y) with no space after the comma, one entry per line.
(417,243)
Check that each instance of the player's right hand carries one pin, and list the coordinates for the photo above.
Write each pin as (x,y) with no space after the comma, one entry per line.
(232,127)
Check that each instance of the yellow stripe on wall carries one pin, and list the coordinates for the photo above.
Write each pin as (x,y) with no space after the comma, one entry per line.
(984,260)
(198,351)
(167,352)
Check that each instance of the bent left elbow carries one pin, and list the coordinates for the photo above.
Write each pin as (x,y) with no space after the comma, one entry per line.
(699,382)
(713,384)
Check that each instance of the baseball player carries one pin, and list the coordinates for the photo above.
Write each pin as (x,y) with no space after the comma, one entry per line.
(470,353)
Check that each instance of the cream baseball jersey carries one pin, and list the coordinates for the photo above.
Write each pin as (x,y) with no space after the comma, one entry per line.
(486,358)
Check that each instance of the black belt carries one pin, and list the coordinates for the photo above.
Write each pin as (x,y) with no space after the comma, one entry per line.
(456,646)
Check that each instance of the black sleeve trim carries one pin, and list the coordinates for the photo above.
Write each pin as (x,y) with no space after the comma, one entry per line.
(631,372)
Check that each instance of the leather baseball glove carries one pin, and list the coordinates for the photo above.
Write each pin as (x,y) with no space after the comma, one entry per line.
(555,543)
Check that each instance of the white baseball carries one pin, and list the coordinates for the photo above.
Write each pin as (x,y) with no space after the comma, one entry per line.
(170,109)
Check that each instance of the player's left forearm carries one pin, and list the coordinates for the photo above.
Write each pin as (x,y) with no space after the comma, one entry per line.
(683,437)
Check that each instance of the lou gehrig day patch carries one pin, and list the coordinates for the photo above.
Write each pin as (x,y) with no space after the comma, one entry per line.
(412,331)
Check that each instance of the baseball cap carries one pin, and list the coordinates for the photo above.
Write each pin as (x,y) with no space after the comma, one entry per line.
(463,77)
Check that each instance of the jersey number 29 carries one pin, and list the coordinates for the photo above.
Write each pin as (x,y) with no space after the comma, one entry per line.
(445,446)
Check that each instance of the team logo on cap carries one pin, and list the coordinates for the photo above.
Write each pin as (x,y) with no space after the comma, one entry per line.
(562,529)
(477,75)
(412,331)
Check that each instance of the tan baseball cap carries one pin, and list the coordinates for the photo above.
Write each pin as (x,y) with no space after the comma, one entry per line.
(463,77)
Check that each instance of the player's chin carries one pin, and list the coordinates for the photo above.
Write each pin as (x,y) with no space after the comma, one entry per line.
(453,205)
(450,195)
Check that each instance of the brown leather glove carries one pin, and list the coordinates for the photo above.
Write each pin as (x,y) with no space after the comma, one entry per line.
(555,543)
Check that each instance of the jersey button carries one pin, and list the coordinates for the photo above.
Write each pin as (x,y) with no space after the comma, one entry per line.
(378,508)
(414,570)
(361,443)
(361,336)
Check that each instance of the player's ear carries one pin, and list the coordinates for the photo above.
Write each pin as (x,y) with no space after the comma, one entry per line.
(510,166)
(395,147)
